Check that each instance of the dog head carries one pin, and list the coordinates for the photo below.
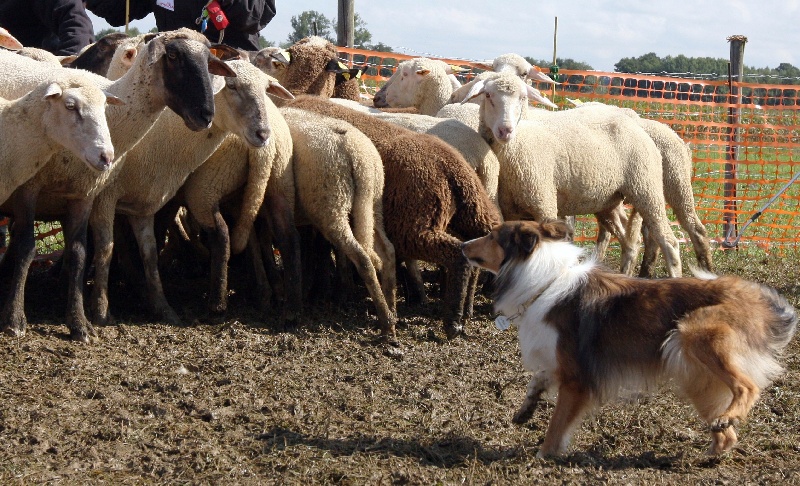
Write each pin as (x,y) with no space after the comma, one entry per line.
(512,240)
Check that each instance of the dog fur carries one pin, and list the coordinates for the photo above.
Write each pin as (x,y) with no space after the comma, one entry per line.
(588,333)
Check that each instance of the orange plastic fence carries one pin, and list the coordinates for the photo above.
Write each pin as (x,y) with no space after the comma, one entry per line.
(744,139)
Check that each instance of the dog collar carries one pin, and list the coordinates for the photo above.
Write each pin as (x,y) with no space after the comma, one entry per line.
(502,322)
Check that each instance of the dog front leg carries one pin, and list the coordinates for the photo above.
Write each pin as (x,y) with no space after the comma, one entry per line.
(536,387)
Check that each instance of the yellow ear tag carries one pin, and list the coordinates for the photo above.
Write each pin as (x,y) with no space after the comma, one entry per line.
(287,55)
(346,75)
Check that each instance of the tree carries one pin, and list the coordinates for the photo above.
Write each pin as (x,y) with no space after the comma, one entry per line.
(361,36)
(262,42)
(310,23)
(561,63)
(132,31)
(380,46)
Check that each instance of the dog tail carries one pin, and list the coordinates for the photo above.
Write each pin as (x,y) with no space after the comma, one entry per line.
(784,323)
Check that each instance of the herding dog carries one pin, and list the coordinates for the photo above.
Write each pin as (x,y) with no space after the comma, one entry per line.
(588,333)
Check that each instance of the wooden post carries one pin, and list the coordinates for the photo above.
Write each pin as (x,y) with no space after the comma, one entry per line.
(345,30)
(732,152)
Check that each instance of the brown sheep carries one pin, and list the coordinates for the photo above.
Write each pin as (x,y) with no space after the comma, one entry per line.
(430,195)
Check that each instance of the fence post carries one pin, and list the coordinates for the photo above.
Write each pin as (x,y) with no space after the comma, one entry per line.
(345,31)
(732,152)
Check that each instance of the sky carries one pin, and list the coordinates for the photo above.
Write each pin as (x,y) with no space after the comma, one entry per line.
(597,32)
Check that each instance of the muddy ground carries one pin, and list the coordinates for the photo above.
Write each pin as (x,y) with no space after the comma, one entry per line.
(243,402)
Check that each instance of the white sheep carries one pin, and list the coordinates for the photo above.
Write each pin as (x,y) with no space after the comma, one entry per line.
(572,162)
(145,183)
(421,83)
(63,188)
(676,160)
(69,114)
(339,181)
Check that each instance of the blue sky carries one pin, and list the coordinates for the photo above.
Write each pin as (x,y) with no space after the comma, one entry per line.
(598,32)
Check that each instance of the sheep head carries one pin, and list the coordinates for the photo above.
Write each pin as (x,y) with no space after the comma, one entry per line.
(313,64)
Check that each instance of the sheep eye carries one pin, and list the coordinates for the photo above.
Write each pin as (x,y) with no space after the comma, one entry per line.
(70,105)
(230,83)
(172,56)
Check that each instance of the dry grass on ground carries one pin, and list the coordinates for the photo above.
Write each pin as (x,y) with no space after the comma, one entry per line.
(240,402)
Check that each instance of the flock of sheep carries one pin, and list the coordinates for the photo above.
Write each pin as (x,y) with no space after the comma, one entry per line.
(169,125)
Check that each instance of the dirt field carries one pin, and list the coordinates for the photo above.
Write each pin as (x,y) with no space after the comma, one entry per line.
(243,403)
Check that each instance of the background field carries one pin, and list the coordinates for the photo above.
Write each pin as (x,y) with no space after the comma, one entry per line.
(244,402)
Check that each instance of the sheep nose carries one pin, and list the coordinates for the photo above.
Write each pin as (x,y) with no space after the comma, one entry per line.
(206,117)
(263,135)
(379,100)
(505,133)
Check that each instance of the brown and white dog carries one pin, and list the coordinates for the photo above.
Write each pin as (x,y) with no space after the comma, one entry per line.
(588,333)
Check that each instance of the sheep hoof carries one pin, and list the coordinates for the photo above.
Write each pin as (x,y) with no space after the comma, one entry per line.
(14,324)
(171,317)
(82,335)
(14,331)
(452,330)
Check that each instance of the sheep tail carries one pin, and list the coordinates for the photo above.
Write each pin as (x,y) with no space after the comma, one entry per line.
(260,165)
(363,212)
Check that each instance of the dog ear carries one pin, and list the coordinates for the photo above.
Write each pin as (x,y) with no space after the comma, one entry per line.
(525,241)
(557,230)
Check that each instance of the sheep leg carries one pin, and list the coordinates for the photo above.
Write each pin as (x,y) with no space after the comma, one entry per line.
(469,301)
(447,249)
(387,267)
(271,269)
(21,253)
(280,220)
(690,222)
(74,227)
(102,220)
(650,204)
(220,251)
(146,239)
(343,239)
(651,252)
(264,290)
(415,286)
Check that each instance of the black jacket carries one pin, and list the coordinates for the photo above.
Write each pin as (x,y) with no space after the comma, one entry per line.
(60,26)
(246,17)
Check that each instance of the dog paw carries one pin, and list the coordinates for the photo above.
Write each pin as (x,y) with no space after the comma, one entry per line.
(720,424)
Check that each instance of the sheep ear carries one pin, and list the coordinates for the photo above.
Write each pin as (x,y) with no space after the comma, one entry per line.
(112,100)
(334,66)
(477,89)
(276,89)
(536,75)
(224,53)
(282,56)
(423,72)
(217,83)
(9,41)
(537,96)
(215,66)
(155,49)
(53,91)
(67,60)
(129,56)
(558,230)
(454,81)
